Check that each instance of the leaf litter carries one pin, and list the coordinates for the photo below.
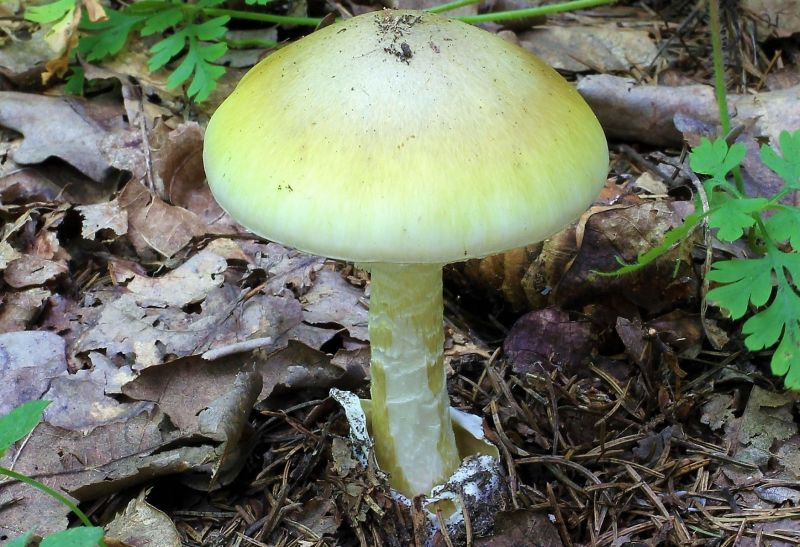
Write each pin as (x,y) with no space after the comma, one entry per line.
(189,364)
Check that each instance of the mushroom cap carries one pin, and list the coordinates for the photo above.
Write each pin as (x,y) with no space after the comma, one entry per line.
(407,137)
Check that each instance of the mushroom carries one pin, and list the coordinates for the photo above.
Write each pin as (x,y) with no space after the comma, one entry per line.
(402,141)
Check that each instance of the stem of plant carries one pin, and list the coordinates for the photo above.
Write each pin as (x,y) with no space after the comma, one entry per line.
(263,17)
(55,494)
(441,8)
(411,425)
(533,12)
(482,18)
(719,80)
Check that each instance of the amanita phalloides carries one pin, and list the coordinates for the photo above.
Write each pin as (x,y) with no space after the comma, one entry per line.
(402,141)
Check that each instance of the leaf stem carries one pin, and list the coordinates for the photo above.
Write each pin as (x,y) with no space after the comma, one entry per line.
(533,12)
(55,494)
(719,68)
(263,17)
(482,18)
(449,6)
(719,81)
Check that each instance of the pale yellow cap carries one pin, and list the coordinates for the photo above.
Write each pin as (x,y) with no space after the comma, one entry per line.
(403,136)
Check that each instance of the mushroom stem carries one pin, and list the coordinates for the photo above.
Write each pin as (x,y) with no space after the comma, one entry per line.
(411,425)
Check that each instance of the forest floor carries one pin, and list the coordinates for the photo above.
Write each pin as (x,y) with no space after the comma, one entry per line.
(627,409)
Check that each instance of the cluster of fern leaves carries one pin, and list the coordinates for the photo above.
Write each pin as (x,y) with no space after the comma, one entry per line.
(190,34)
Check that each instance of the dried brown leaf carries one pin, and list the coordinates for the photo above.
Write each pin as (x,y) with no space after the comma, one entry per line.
(545,338)
(564,275)
(522,527)
(332,299)
(18,309)
(178,165)
(142,525)
(31,271)
(777,18)
(189,283)
(596,48)
(112,457)
(63,127)
(103,216)
(154,224)
(29,361)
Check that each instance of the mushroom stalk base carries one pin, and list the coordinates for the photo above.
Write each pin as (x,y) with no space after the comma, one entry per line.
(411,425)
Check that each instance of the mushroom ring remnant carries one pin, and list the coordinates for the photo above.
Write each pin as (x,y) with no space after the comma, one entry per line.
(404,140)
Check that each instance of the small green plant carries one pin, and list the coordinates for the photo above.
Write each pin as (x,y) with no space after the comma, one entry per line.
(14,426)
(765,284)
(768,282)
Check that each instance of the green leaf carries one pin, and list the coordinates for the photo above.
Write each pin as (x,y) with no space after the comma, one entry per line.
(734,214)
(20,541)
(744,281)
(784,225)
(198,62)
(765,328)
(106,38)
(75,81)
(787,165)
(754,281)
(19,422)
(166,49)
(786,359)
(213,29)
(48,13)
(716,158)
(74,537)
(161,21)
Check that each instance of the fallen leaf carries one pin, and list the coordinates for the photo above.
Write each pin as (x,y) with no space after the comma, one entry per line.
(63,127)
(774,18)
(284,268)
(596,48)
(178,166)
(103,216)
(332,299)
(680,330)
(22,59)
(545,338)
(7,254)
(112,457)
(154,224)
(29,360)
(189,283)
(151,336)
(522,528)
(142,525)
(30,271)
(319,515)
(564,275)
(767,420)
(717,411)
(18,309)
